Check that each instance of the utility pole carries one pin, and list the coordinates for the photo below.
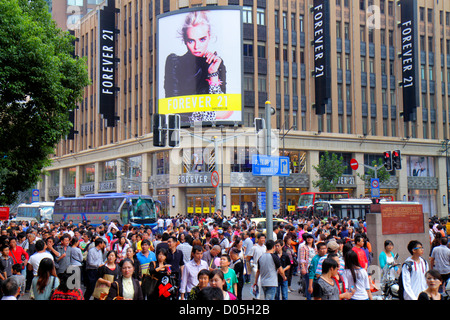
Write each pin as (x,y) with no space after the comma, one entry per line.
(269,194)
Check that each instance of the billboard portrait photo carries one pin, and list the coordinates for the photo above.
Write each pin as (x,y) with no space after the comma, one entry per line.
(199,72)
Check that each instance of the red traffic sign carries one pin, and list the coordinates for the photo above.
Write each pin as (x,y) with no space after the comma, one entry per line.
(215,179)
(354,164)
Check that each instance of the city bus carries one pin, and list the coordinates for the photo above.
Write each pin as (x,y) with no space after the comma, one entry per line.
(131,209)
(350,208)
(307,199)
(36,211)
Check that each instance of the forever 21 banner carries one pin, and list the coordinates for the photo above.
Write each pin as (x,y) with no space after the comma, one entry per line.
(410,58)
(322,62)
(107,62)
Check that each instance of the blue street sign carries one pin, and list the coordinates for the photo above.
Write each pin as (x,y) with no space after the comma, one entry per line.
(35,195)
(375,188)
(262,200)
(263,165)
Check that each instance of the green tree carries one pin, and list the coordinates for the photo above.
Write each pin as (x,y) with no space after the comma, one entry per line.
(40,82)
(330,169)
(382,173)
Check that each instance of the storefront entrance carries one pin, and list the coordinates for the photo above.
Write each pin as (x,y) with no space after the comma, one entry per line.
(200,200)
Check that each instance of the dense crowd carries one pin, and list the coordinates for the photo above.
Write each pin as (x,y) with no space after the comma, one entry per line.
(210,257)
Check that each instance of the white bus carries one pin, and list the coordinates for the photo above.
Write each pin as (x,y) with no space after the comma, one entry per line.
(350,208)
(36,211)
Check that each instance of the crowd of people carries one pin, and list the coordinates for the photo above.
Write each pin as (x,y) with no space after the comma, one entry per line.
(209,257)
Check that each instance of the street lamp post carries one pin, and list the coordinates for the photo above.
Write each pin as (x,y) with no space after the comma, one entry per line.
(284,178)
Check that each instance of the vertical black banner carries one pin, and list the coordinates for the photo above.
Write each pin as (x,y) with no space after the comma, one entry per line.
(322,61)
(410,58)
(107,62)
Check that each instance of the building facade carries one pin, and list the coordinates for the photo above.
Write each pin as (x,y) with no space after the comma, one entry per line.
(363,117)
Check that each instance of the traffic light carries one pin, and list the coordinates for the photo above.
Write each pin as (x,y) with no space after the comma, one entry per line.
(173,121)
(376,200)
(159,130)
(260,124)
(387,160)
(396,159)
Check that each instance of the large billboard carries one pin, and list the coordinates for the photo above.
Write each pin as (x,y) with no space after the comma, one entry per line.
(199,65)
(410,58)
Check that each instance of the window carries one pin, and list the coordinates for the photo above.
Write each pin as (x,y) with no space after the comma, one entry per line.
(248,83)
(248,49)
(261,16)
(346,31)
(262,83)
(261,50)
(78,3)
(391,8)
(391,37)
(277,19)
(301,23)
(418,166)
(247,14)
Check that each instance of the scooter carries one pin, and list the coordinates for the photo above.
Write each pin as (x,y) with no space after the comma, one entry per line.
(389,281)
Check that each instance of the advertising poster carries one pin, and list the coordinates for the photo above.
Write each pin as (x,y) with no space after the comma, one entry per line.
(199,62)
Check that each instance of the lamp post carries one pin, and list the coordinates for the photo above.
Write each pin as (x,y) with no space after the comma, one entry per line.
(284,178)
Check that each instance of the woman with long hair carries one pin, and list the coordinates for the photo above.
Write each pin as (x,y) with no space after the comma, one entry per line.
(63,292)
(356,278)
(160,271)
(217,280)
(46,280)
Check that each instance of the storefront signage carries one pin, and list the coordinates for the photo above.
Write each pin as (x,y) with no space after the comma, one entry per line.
(348,180)
(195,179)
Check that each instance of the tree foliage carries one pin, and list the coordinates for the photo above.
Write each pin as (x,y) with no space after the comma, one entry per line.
(330,169)
(40,82)
(382,173)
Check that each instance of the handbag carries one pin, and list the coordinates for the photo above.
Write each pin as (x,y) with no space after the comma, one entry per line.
(118,296)
(149,283)
(101,290)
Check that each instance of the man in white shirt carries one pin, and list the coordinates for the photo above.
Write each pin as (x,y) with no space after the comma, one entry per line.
(35,259)
(160,223)
(413,271)
(256,252)
(11,289)
(189,278)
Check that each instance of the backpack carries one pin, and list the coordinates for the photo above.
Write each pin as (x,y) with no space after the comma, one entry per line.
(401,287)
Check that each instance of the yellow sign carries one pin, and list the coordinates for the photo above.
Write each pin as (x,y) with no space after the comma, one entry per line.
(200,103)
(198,209)
(190,209)
(236,208)
(206,210)
(291,208)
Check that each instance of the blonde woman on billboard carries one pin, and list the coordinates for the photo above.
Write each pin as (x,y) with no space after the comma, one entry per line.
(199,71)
